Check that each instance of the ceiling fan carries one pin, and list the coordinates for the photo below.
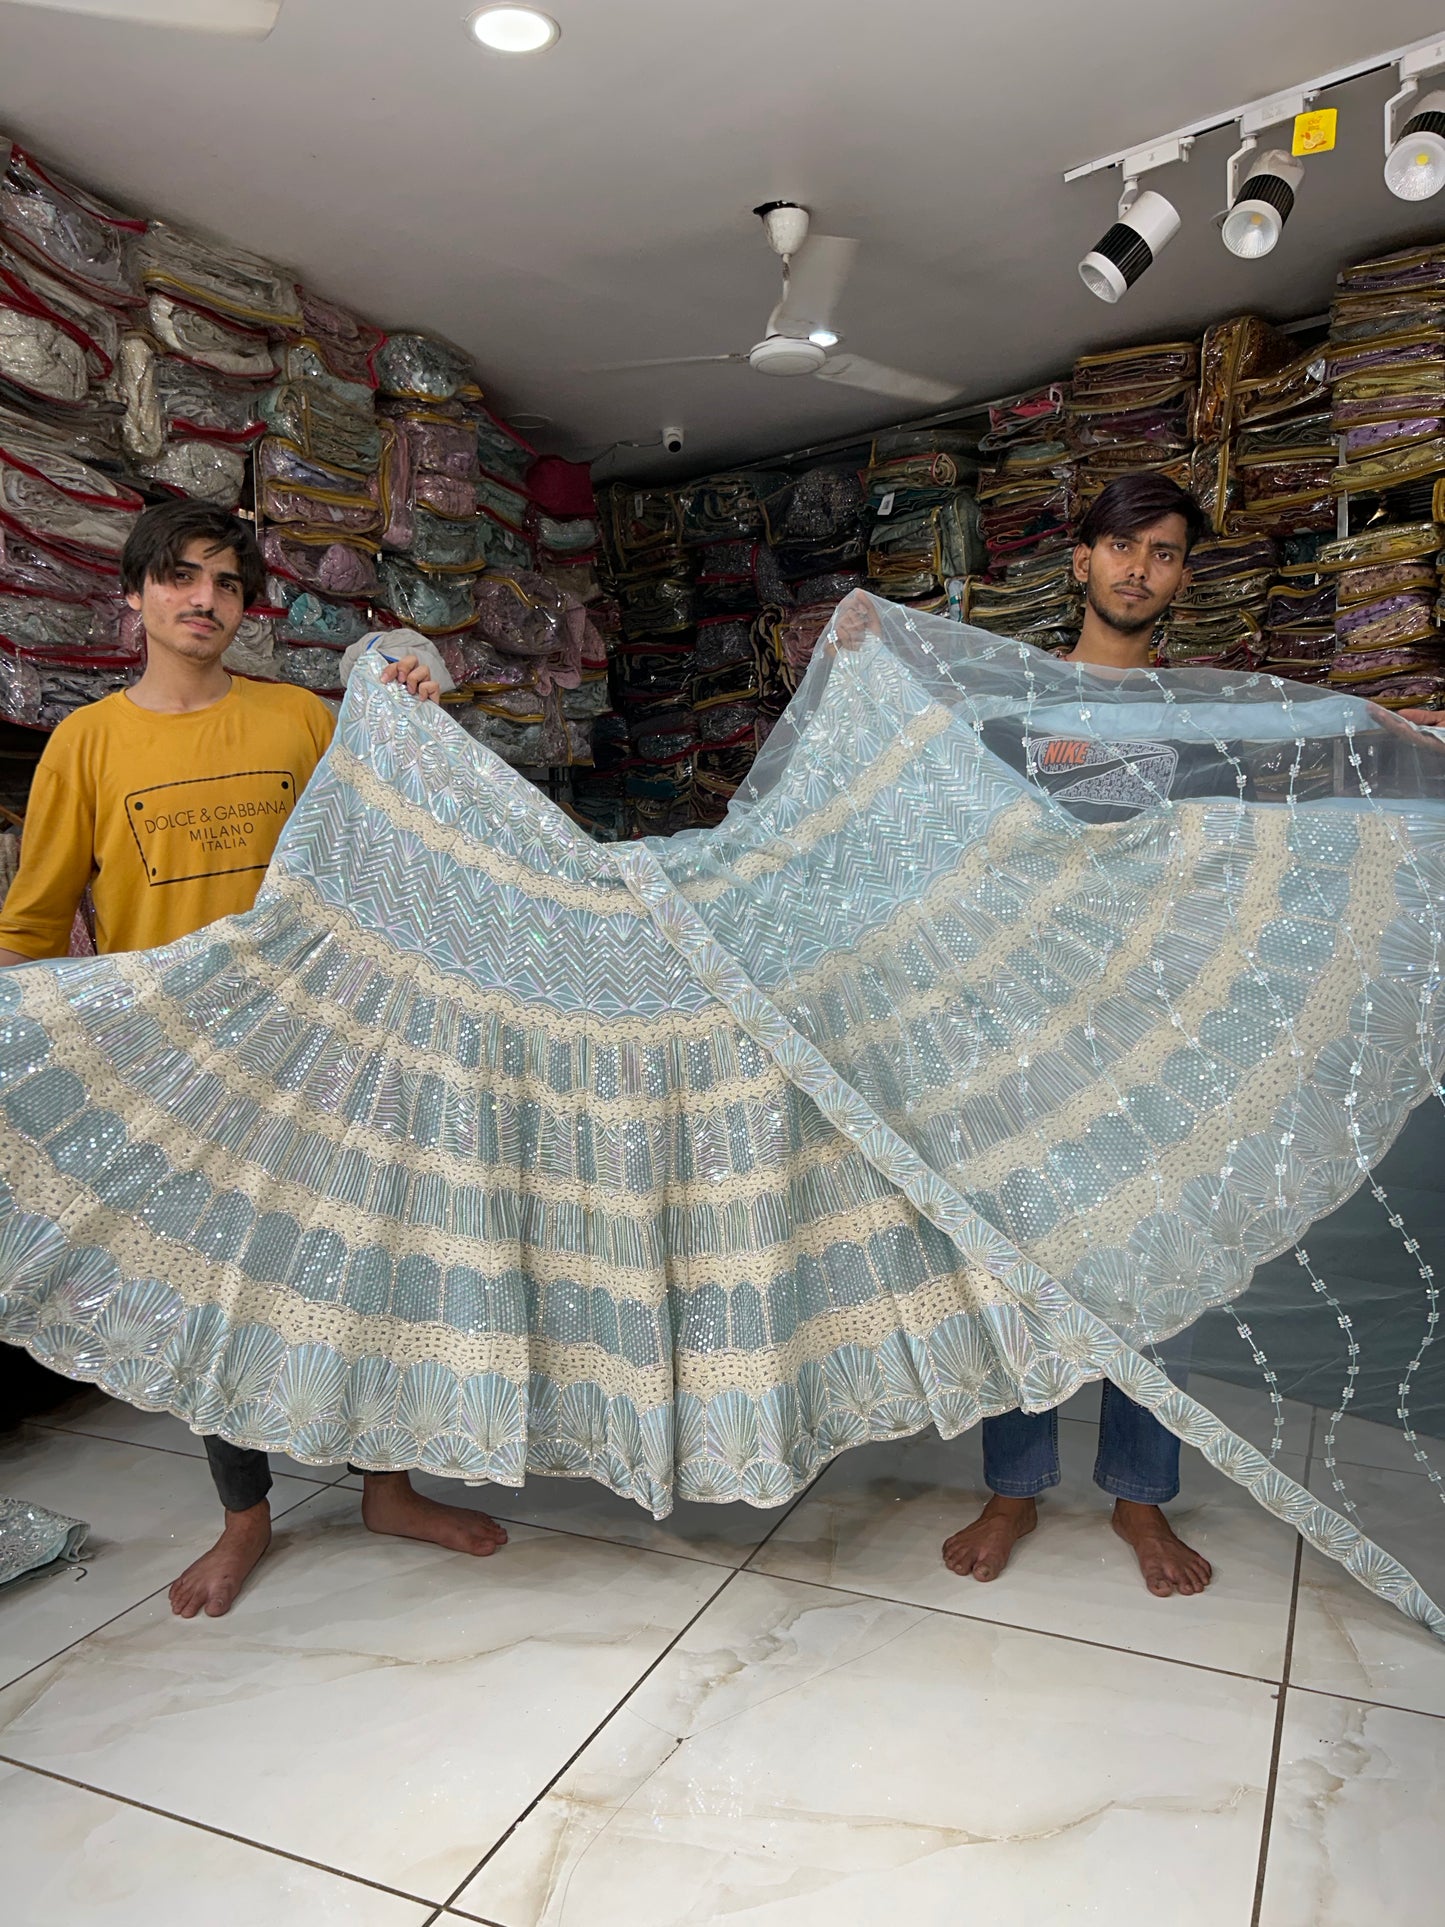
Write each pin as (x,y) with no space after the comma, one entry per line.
(252,19)
(800,335)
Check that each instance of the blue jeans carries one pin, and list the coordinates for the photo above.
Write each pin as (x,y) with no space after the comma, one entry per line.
(1138,1459)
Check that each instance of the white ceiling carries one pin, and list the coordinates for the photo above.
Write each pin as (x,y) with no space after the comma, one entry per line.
(591,204)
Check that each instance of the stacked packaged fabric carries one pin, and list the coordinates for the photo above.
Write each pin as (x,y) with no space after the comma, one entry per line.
(1218,620)
(738,588)
(652,576)
(562,524)
(926,528)
(531,673)
(435,541)
(1133,408)
(1027,494)
(66,636)
(1387,370)
(70,282)
(1283,453)
(1388,644)
(1299,624)
(1232,354)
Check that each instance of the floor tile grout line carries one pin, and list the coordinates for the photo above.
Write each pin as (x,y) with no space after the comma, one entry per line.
(730,1573)
(219,1833)
(627,1545)
(144,1600)
(1271,1789)
(1358,1699)
(1014,1626)
(174,1451)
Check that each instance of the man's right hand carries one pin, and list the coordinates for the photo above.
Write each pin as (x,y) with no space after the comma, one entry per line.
(855,621)
(13,957)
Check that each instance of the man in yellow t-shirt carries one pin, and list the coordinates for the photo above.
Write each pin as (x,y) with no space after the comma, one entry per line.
(166,801)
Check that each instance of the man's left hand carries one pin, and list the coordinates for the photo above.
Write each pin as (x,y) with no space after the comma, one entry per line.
(415,676)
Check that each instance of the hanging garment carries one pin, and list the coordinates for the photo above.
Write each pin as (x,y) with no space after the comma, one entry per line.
(1016,1014)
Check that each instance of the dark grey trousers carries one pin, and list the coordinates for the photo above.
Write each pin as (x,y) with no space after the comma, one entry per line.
(242,1476)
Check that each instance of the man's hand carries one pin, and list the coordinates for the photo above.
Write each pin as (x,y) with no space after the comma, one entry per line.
(415,676)
(855,621)
(1422,718)
(8,957)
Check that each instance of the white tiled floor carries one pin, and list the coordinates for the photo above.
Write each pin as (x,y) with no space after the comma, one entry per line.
(789,1719)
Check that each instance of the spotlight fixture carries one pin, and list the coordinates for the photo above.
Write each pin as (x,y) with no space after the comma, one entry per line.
(1147,223)
(1259,209)
(1415,163)
(515,30)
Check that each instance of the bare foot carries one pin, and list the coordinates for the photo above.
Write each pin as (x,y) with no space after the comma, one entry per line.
(982,1549)
(389,1504)
(1168,1565)
(211,1584)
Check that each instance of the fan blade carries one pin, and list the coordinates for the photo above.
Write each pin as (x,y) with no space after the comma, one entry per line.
(854,372)
(253,19)
(816,274)
(666,361)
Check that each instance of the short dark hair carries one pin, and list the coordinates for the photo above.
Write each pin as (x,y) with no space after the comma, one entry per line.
(154,547)
(1138,501)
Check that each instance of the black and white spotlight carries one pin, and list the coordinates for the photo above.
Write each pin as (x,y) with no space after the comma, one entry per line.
(1259,209)
(1415,162)
(1146,225)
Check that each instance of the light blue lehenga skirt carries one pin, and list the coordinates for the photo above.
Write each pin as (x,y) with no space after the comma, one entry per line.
(907,1096)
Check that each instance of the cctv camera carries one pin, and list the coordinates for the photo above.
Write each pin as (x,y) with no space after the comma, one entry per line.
(672,440)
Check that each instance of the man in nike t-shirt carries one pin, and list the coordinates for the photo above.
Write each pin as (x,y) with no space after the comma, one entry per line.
(166,800)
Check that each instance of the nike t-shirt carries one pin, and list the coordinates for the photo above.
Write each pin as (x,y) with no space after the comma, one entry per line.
(171,820)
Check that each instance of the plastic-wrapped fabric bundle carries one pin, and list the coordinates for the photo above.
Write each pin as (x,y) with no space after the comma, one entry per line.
(38,696)
(415,367)
(738,577)
(253,648)
(1035,416)
(326,419)
(229,282)
(311,618)
(1283,453)
(309,667)
(1077,1073)
(1388,645)
(345,569)
(68,232)
(1219,617)
(293,488)
(726,507)
(914,553)
(208,471)
(347,344)
(55,498)
(476,543)
(209,342)
(523,615)
(434,603)
(818,521)
(38,354)
(1133,408)
(166,398)
(641,525)
(563,541)
(504,503)
(47,570)
(501,451)
(43,628)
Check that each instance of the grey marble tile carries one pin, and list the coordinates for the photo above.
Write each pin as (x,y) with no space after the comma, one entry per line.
(78,1859)
(379,1705)
(807,1758)
(1356,1831)
(877,1519)
(150,1514)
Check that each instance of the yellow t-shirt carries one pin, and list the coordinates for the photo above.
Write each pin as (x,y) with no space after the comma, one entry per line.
(171,820)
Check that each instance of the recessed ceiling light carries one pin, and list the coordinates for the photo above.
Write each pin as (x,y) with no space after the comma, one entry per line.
(515,30)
